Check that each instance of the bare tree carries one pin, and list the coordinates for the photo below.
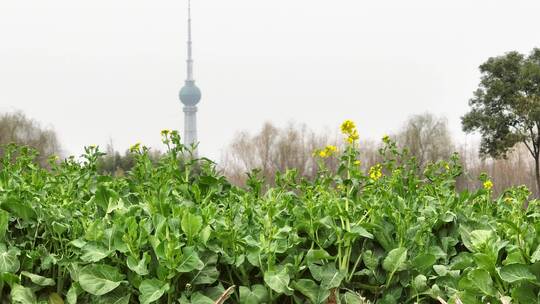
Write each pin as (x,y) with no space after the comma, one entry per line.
(427,138)
(274,150)
(19,129)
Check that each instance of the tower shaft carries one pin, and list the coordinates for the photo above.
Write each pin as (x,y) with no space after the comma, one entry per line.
(190,125)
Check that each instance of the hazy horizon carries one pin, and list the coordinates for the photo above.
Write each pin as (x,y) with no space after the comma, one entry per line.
(104,70)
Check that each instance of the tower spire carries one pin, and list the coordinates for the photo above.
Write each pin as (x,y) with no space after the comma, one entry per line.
(189,50)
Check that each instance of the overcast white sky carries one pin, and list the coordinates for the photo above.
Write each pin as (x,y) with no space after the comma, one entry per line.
(111,69)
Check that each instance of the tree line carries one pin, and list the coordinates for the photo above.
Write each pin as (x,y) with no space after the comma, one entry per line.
(505,110)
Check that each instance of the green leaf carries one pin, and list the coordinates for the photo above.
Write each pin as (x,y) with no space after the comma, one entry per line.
(199,298)
(99,279)
(190,261)
(20,208)
(278,281)
(22,295)
(139,267)
(311,290)
(481,279)
(152,290)
(8,259)
(93,253)
(55,298)
(256,295)
(535,257)
(420,282)
(480,238)
(516,272)
(73,292)
(316,255)
(353,298)
(120,295)
(191,225)
(328,275)
(395,260)
(38,280)
(423,261)
(4,222)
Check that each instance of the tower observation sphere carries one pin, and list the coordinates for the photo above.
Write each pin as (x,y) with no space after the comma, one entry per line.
(190,94)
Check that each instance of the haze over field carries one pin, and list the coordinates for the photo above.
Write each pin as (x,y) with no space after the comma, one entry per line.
(112,69)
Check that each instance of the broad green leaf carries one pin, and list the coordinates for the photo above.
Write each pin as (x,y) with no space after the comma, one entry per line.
(9,278)
(316,255)
(38,280)
(207,275)
(328,275)
(358,230)
(423,261)
(73,292)
(480,238)
(190,261)
(55,298)
(516,272)
(395,260)
(191,224)
(370,260)
(199,298)
(99,279)
(120,295)
(278,281)
(353,298)
(524,293)
(420,282)
(8,259)
(19,208)
(139,267)
(256,295)
(22,295)
(481,279)
(152,290)
(93,253)
(311,290)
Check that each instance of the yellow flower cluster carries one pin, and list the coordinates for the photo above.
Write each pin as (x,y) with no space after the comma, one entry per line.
(136,147)
(375,172)
(488,185)
(386,139)
(349,128)
(327,151)
(165,132)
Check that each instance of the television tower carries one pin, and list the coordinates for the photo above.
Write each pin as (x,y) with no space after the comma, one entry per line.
(190,95)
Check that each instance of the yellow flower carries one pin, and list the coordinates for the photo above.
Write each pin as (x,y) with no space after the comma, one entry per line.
(447,167)
(386,139)
(488,185)
(135,147)
(327,151)
(357,162)
(165,132)
(375,172)
(347,127)
(331,148)
(92,146)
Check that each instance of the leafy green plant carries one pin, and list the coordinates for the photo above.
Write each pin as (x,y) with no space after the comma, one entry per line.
(176,231)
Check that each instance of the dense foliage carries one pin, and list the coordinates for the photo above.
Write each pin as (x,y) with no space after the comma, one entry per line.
(178,232)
